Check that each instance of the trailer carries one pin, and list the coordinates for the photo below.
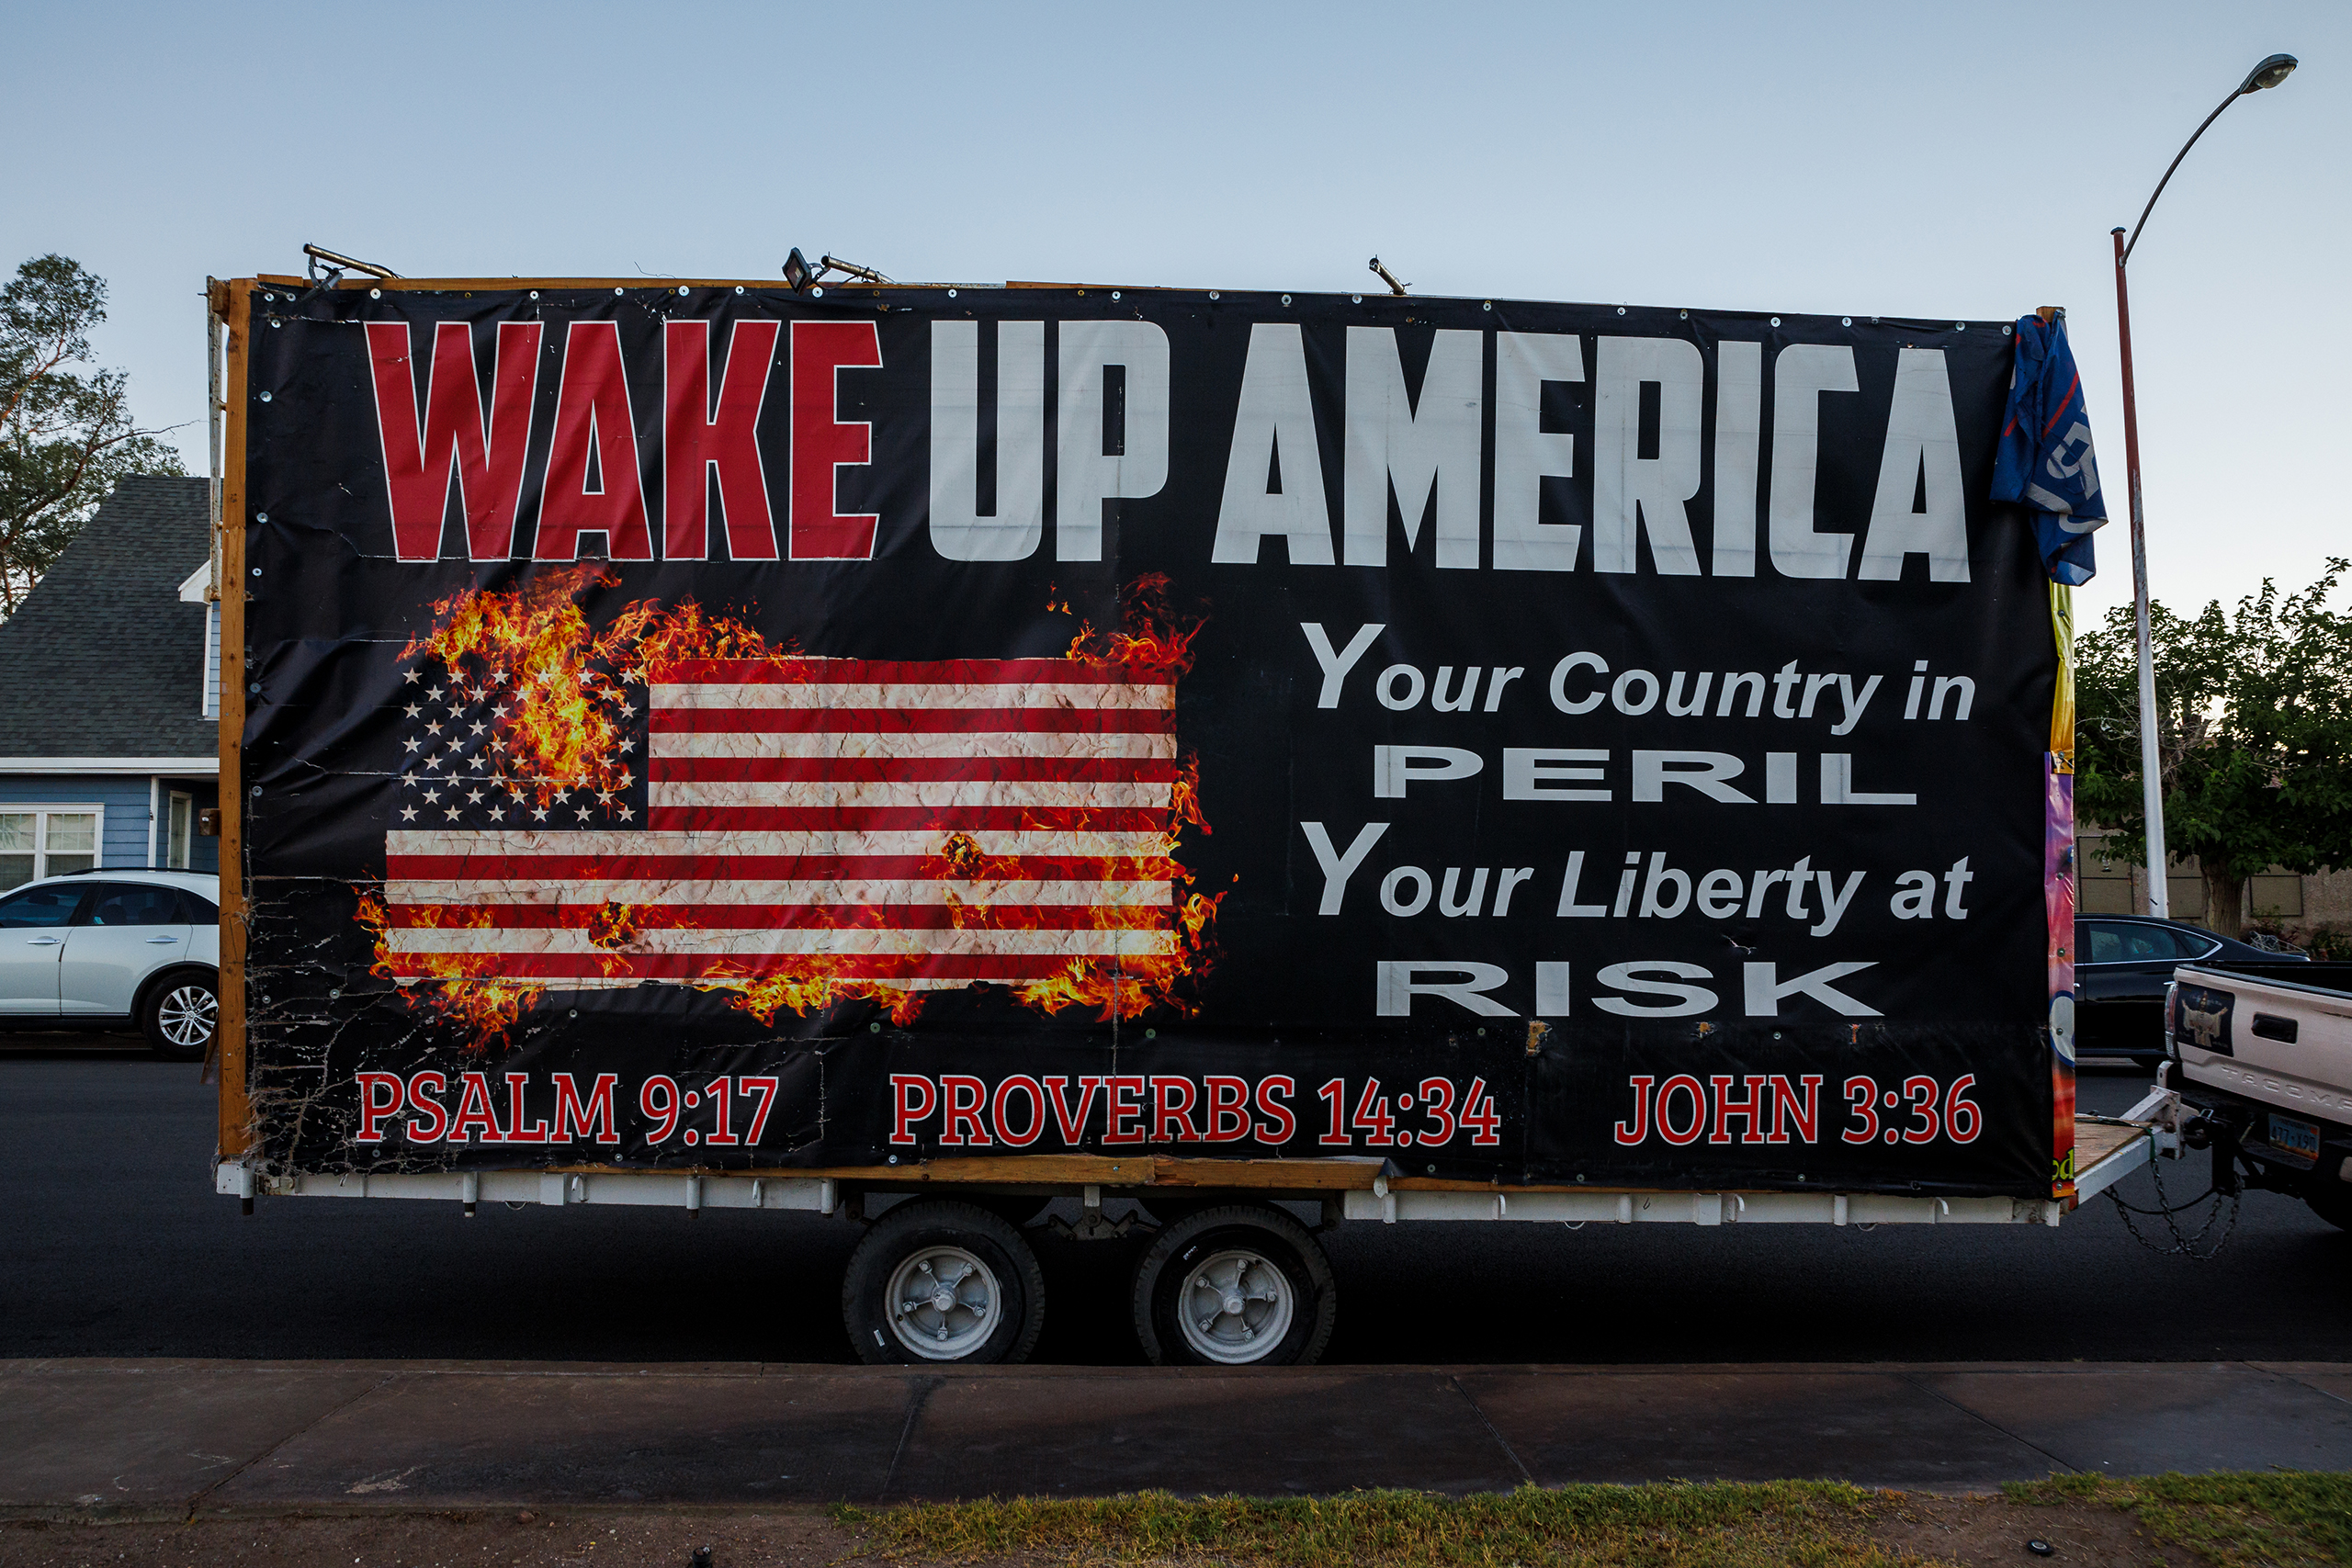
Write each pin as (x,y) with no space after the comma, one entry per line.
(916,752)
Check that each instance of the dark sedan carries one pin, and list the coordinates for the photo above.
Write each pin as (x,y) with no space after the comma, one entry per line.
(2122,964)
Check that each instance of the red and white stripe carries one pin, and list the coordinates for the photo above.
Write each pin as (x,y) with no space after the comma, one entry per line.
(923,824)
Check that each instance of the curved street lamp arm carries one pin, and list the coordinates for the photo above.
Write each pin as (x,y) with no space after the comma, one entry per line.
(2234,96)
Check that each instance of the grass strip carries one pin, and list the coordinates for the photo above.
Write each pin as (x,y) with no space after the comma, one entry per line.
(2280,1519)
(1674,1525)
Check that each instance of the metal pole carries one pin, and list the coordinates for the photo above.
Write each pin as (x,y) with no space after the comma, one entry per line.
(2267,73)
(2151,786)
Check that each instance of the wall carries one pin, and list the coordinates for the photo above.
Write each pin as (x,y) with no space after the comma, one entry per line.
(126,797)
(2108,885)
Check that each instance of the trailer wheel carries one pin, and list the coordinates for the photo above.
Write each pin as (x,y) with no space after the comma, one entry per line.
(940,1282)
(1240,1286)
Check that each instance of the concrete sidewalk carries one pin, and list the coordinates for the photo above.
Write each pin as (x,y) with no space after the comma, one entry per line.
(168,1438)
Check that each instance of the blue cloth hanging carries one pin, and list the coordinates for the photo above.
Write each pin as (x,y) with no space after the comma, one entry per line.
(2046,462)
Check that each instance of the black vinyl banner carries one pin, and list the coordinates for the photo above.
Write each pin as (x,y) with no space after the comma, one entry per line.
(724,727)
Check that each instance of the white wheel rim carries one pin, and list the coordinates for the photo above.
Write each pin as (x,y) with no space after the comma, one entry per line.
(943,1304)
(1235,1307)
(188,1015)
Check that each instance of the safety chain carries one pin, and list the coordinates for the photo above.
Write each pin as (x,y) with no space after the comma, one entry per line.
(2183,1244)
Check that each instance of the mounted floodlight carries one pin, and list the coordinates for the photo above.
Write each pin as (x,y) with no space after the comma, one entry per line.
(1388,278)
(797,274)
(340,263)
(835,264)
(2270,73)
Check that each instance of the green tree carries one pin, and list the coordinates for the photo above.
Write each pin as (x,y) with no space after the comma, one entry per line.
(2253,736)
(66,433)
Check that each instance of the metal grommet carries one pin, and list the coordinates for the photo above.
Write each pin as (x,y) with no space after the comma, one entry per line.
(1685,315)
(1115,294)
(575,1012)
(257,789)
(274,322)
(260,516)
(817,293)
(2006,331)
(1211,293)
(1960,326)
(1487,305)
(256,571)
(252,687)
(682,288)
(265,397)
(1357,298)
(874,1027)
(534,293)
(1151,1034)
(1846,321)
(375,294)
(1620,309)
(269,295)
(951,294)
(1776,320)
(1285,298)
(738,288)
(619,291)
(894,1159)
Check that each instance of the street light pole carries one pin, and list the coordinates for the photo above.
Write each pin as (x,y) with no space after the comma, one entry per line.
(2268,74)
(2152,786)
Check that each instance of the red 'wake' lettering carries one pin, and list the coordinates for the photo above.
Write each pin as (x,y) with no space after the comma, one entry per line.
(592,411)
(486,458)
(822,444)
(695,440)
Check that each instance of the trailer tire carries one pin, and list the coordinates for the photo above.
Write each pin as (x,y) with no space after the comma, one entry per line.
(2331,1201)
(923,1254)
(1263,1279)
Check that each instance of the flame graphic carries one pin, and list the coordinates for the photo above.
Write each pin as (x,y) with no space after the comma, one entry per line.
(1154,642)
(563,691)
(463,994)
(1151,640)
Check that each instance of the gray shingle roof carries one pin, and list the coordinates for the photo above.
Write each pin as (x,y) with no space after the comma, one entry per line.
(103,659)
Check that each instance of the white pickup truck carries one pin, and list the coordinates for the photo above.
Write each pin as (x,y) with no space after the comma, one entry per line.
(2262,1053)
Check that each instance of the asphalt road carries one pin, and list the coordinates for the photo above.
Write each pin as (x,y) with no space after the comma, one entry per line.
(112,1243)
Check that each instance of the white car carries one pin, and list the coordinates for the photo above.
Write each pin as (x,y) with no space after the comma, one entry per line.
(114,947)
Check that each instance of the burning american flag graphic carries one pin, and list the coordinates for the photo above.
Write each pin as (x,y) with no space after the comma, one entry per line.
(672,801)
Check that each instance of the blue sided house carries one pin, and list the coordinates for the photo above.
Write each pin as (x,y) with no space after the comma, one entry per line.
(110,730)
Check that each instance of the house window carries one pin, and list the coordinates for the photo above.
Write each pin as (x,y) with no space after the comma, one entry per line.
(179,828)
(46,841)
(2274,895)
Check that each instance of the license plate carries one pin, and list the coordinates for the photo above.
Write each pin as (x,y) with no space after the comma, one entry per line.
(2297,1140)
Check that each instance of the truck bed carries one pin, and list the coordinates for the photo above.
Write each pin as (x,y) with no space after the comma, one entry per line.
(2277,1034)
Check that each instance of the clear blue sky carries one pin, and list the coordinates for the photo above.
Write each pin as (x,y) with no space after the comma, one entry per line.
(1961,161)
